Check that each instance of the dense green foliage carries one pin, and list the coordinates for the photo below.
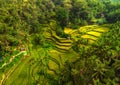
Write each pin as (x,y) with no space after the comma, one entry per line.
(101,60)
(19,18)
(25,22)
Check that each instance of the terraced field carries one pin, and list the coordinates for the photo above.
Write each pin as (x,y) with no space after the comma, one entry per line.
(38,70)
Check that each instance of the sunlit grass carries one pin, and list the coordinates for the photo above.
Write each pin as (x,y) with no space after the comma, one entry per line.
(94,33)
(90,32)
(68,30)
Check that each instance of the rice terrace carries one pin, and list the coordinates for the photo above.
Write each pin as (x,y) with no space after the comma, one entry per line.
(59,42)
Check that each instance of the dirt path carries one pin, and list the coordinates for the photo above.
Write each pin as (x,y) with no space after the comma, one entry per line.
(11,59)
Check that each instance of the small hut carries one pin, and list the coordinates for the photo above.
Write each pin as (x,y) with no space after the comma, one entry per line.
(22,48)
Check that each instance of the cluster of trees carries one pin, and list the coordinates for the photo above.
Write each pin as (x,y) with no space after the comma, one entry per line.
(18,17)
(73,13)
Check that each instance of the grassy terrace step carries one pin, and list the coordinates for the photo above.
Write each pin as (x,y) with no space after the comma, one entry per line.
(61,50)
(89,37)
(63,47)
(58,43)
(88,28)
(61,40)
(91,34)
(97,30)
